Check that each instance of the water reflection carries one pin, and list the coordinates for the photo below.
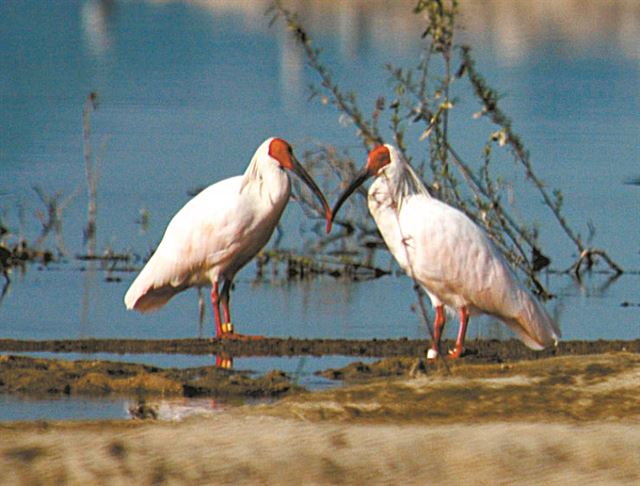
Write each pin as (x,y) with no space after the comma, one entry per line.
(95,17)
(88,296)
(516,28)
(597,285)
(17,408)
(315,308)
(5,284)
(201,312)
(174,409)
(223,360)
(292,83)
(520,28)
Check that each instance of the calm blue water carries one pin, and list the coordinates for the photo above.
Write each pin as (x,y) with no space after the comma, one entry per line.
(189,90)
(67,408)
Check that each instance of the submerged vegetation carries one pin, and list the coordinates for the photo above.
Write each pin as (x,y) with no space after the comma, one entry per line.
(16,251)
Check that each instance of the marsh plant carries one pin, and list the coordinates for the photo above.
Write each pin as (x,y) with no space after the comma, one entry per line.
(16,249)
(419,107)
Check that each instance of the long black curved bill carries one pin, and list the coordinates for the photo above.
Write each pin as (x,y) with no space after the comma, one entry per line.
(298,170)
(357,181)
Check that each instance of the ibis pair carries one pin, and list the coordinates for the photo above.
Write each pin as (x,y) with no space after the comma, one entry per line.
(222,228)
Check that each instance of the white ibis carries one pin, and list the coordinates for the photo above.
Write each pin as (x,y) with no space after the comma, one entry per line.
(447,254)
(219,231)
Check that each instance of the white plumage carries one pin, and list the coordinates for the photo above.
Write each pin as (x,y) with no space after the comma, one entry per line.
(219,231)
(448,254)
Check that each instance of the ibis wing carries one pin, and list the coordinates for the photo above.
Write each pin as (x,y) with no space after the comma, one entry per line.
(201,238)
(455,260)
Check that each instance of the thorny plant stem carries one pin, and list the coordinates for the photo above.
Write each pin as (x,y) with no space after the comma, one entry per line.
(344,102)
(516,242)
(438,121)
(370,134)
(480,191)
(489,99)
(507,224)
(497,116)
(53,220)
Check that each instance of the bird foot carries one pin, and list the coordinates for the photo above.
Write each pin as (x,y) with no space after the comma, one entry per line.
(229,333)
(241,337)
(432,355)
(455,353)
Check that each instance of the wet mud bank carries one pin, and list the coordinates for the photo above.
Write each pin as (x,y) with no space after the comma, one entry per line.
(576,389)
(556,420)
(476,350)
(39,377)
(401,358)
(570,417)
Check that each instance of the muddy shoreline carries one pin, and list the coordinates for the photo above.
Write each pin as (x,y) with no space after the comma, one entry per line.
(571,419)
(38,377)
(476,350)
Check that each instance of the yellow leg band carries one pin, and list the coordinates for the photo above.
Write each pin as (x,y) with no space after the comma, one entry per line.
(227,328)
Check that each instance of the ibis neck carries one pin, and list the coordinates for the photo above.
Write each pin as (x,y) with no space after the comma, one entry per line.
(267,181)
(395,184)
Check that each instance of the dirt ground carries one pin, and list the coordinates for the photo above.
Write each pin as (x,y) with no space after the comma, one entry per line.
(236,449)
(564,418)
(481,350)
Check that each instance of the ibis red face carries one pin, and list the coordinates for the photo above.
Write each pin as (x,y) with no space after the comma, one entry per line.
(378,159)
(281,151)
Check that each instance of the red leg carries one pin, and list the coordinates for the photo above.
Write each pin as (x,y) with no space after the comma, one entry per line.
(216,309)
(462,332)
(226,326)
(438,326)
(224,298)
